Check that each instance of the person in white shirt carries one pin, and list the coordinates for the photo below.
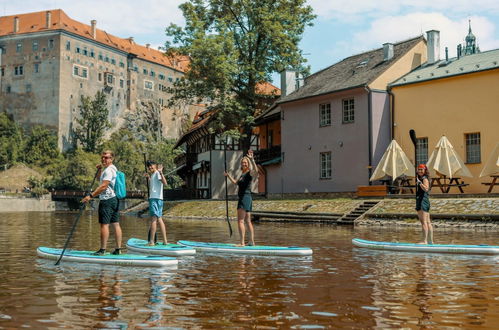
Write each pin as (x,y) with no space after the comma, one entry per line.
(108,203)
(156,182)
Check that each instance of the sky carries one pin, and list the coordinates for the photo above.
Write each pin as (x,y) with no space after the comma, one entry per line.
(342,27)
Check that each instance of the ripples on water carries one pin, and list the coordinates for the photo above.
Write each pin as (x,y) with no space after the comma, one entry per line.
(338,287)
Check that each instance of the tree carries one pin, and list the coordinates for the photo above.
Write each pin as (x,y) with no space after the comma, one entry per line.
(234,45)
(93,122)
(41,146)
(11,139)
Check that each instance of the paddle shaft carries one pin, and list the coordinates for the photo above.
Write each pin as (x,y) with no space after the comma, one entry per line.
(412,134)
(226,190)
(82,207)
(147,198)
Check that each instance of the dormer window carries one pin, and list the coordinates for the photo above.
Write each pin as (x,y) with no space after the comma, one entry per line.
(363,63)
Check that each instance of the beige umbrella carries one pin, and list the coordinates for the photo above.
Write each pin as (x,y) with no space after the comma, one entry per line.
(492,165)
(445,160)
(394,163)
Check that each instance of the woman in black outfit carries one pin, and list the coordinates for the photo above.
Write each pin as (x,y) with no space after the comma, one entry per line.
(423,203)
(245,202)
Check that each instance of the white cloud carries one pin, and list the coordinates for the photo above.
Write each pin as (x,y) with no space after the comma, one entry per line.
(119,17)
(452,32)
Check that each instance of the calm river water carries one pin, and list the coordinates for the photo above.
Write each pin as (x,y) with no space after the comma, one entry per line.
(340,286)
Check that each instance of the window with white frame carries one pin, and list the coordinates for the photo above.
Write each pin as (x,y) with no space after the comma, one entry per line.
(422,150)
(473,154)
(325,166)
(325,114)
(108,78)
(19,70)
(80,71)
(348,111)
(148,85)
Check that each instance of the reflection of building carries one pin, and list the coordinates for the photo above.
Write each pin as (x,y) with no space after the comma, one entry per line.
(336,126)
(49,60)
(456,97)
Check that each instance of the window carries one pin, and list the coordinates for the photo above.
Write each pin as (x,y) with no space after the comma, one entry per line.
(85,51)
(8,89)
(68,45)
(148,84)
(28,88)
(170,79)
(122,65)
(106,59)
(113,61)
(51,43)
(348,111)
(325,114)
(161,76)
(35,46)
(109,78)
(473,154)
(100,57)
(152,73)
(77,49)
(2,70)
(421,150)
(18,70)
(92,54)
(325,165)
(80,71)
(144,71)
(19,48)
(122,83)
(37,67)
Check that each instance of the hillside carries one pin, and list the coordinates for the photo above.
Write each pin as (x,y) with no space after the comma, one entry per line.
(16,177)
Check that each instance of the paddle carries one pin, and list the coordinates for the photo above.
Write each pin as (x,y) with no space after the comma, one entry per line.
(412,134)
(82,207)
(226,190)
(147,198)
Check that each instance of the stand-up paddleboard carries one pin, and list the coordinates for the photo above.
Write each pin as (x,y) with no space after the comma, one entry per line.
(254,250)
(108,259)
(435,248)
(176,250)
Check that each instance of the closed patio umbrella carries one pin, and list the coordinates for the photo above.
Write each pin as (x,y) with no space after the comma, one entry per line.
(394,163)
(492,165)
(445,160)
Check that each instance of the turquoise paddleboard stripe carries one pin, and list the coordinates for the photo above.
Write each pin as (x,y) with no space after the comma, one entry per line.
(90,255)
(426,245)
(233,246)
(143,244)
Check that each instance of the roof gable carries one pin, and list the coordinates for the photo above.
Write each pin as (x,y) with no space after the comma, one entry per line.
(354,71)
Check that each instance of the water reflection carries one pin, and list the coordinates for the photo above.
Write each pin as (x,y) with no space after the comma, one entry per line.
(338,287)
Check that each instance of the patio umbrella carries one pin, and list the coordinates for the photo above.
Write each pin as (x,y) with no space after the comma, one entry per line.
(394,163)
(445,160)
(492,165)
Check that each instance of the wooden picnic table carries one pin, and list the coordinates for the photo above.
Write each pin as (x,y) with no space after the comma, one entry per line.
(493,183)
(404,185)
(445,183)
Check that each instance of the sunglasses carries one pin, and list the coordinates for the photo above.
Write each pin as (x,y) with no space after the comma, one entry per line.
(106,157)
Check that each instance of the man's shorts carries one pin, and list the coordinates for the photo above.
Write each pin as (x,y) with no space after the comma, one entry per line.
(108,211)
(155,207)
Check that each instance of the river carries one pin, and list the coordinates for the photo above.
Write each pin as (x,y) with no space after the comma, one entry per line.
(340,286)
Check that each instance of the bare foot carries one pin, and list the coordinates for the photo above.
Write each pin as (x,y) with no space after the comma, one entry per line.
(150,244)
(240,245)
(422,243)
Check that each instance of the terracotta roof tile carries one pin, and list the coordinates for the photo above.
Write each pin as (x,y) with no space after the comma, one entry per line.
(36,22)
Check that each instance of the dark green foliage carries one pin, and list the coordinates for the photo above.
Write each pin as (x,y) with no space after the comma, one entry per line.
(92,123)
(75,172)
(11,140)
(41,147)
(233,46)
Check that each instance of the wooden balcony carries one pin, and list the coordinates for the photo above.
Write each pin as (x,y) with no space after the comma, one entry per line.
(264,155)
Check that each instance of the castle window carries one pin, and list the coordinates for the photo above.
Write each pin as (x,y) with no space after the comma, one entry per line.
(80,71)
(35,46)
(92,54)
(19,47)
(37,67)
(68,45)
(18,70)
(77,50)
(148,85)
(51,43)
(85,51)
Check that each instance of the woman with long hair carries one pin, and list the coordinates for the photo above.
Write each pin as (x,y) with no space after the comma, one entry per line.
(245,202)
(423,202)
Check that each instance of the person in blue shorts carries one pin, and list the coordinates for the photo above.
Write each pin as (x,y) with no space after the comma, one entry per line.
(156,182)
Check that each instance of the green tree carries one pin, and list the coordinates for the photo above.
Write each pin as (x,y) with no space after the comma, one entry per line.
(234,45)
(41,147)
(75,172)
(92,123)
(11,140)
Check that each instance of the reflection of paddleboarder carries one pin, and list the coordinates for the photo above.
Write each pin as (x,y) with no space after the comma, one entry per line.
(245,202)
(423,202)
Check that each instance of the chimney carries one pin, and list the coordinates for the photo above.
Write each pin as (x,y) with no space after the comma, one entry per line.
(288,82)
(148,45)
(16,24)
(48,19)
(387,51)
(130,39)
(446,54)
(93,24)
(433,44)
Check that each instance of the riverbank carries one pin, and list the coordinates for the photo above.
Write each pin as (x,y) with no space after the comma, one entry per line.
(446,212)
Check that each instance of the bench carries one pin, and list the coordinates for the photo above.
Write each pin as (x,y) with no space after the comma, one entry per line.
(371,191)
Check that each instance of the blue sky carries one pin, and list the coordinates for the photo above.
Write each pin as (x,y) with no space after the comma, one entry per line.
(342,28)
